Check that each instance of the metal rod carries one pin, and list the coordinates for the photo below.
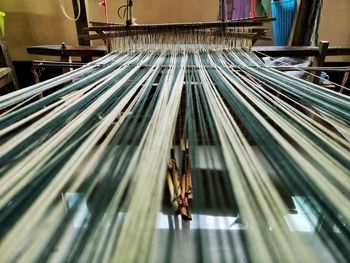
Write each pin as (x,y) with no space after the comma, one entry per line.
(45,63)
(57,64)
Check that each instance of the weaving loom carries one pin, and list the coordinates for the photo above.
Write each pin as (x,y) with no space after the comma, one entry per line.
(85,169)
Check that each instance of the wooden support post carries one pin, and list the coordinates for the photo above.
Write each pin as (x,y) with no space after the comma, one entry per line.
(345,79)
(319,60)
(65,58)
(80,24)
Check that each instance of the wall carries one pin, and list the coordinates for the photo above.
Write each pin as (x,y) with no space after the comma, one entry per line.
(40,22)
(160,11)
(335,25)
(35,22)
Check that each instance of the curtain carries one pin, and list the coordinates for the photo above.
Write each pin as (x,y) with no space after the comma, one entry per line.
(246,8)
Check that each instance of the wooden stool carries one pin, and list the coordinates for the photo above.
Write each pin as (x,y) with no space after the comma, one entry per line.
(7,71)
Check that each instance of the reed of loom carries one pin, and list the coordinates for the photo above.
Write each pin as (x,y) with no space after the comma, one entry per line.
(250,29)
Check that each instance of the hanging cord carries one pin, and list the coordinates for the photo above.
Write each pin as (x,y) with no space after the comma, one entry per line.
(127,12)
(104,5)
(65,12)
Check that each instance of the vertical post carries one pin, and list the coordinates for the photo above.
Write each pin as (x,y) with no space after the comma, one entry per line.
(129,4)
(319,61)
(65,58)
(223,10)
(80,24)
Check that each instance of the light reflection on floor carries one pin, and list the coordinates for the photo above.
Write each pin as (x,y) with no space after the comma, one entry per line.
(178,240)
(302,221)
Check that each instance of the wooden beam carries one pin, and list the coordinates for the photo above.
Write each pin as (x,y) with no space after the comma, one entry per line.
(338,51)
(247,22)
(282,51)
(69,50)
